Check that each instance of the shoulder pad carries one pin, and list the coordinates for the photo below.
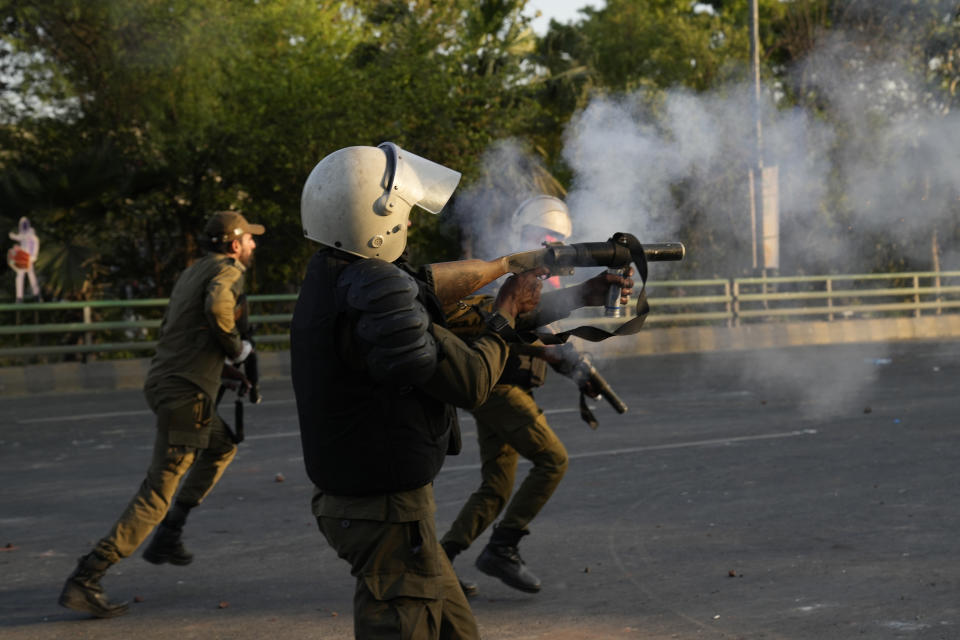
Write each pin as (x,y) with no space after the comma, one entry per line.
(392,325)
(375,285)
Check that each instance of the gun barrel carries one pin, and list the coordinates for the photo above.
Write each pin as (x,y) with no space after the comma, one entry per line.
(601,386)
(609,254)
(664,251)
(588,254)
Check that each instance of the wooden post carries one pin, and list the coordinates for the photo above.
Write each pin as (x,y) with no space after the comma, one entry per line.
(88,336)
(916,296)
(830,316)
(736,303)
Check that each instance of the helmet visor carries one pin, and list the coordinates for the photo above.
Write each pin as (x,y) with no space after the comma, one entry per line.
(418,181)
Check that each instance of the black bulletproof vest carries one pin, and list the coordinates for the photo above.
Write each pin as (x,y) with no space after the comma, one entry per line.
(359,438)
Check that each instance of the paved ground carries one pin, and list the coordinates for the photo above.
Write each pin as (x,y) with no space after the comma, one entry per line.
(801,493)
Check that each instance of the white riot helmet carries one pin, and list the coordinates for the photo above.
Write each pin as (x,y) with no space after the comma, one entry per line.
(358,199)
(545,212)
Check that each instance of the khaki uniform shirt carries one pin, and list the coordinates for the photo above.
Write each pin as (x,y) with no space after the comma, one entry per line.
(198,331)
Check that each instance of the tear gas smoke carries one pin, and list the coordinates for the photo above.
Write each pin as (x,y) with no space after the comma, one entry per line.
(900,152)
(895,157)
(508,175)
(673,166)
(798,374)
(630,154)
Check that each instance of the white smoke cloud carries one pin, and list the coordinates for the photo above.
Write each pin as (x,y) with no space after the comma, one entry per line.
(885,145)
(627,160)
(893,156)
(900,156)
(507,177)
(661,166)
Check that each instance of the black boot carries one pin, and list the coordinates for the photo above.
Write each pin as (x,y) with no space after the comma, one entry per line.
(469,589)
(166,546)
(501,559)
(82,591)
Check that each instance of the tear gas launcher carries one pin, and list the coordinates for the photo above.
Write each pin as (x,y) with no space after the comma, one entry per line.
(245,382)
(455,280)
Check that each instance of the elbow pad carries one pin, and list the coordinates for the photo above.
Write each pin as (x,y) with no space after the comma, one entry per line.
(391,325)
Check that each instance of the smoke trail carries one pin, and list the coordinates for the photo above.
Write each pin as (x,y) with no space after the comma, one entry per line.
(799,374)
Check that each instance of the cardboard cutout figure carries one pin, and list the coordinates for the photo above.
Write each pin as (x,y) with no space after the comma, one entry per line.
(23,255)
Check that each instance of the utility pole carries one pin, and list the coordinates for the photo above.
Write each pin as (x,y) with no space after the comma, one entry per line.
(764,193)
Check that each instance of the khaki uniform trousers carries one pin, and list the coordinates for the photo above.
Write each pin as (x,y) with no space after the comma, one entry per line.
(168,465)
(406,588)
(510,424)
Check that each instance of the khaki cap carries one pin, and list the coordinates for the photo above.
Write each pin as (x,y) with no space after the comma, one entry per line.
(227,225)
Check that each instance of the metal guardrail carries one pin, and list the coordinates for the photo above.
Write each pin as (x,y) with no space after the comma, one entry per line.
(128,327)
(113,326)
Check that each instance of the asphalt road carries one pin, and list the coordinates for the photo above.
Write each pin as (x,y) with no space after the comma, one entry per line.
(794,494)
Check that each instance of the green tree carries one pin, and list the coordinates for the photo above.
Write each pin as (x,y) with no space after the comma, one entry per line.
(446,80)
(143,79)
(191,107)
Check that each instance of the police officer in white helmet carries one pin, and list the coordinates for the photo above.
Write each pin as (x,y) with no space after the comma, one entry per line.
(377,378)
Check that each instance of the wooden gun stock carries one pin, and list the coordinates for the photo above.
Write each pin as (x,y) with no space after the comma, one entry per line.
(456,280)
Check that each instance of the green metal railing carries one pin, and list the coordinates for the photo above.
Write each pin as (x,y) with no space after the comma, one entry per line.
(128,327)
(113,326)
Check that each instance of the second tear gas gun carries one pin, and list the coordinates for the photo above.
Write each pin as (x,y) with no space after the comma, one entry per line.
(579,367)
(251,367)
(246,380)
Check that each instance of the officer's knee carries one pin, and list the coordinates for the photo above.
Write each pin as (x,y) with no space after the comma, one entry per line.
(496,491)
(553,459)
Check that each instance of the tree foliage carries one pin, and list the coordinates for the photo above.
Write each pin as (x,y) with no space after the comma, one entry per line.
(183,108)
(125,123)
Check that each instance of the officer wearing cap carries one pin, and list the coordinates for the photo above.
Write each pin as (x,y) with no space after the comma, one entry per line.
(197,336)
(376,377)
